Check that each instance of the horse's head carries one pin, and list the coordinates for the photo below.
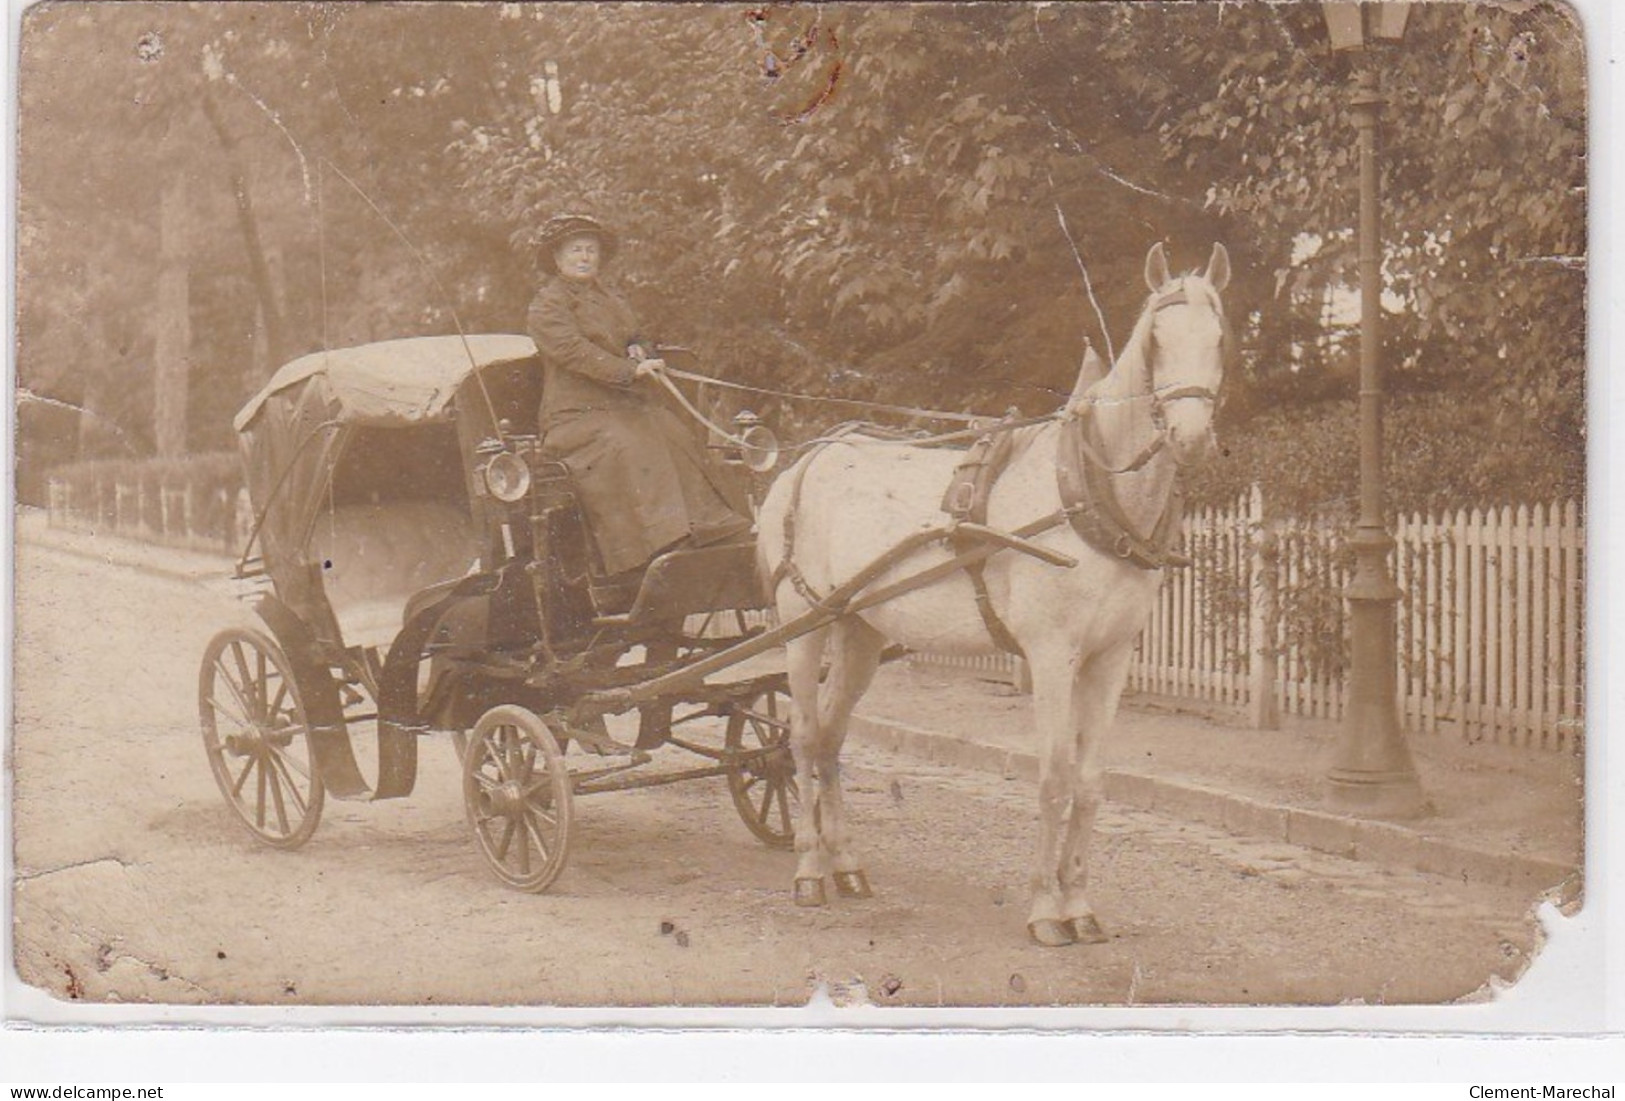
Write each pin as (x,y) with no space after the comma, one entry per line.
(1185,346)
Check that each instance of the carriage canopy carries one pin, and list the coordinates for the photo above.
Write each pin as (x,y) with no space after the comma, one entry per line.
(324,438)
(394,383)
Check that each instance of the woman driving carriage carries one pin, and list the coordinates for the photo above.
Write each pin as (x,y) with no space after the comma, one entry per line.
(641,477)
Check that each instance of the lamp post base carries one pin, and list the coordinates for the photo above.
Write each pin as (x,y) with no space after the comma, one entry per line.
(1396,794)
(1372,773)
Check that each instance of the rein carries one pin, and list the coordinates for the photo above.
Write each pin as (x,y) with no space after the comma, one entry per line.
(978,430)
(879,407)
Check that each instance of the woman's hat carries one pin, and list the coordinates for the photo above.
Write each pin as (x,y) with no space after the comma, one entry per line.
(562,227)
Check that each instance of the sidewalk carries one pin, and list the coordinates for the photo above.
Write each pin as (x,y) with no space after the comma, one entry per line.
(1499,814)
(33,526)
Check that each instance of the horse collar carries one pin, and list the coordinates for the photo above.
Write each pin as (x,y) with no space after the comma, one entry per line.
(1091,505)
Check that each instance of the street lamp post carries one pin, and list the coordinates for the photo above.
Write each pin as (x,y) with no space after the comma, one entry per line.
(1372,772)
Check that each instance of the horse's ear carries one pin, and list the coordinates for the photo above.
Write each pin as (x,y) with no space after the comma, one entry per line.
(1218,267)
(1156,268)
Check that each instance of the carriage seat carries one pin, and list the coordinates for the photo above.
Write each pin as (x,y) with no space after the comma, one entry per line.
(375,558)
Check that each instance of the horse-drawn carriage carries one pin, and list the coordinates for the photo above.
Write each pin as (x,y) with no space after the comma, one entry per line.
(429,572)
(422,569)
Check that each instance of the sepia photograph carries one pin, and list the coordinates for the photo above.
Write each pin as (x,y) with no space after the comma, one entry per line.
(992,506)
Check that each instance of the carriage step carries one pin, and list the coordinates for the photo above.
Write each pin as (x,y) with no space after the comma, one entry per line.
(596,740)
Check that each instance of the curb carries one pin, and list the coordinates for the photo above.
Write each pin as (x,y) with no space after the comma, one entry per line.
(1369,840)
(116,550)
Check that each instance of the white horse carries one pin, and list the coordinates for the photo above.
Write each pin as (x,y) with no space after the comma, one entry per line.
(844,505)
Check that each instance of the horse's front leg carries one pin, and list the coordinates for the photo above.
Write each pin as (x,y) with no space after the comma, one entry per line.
(1053,703)
(803,656)
(854,655)
(1095,695)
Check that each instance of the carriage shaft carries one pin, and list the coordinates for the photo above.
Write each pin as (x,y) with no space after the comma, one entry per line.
(842,602)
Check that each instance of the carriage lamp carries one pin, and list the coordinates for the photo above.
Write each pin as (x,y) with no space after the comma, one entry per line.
(1372,772)
(507,477)
(758,445)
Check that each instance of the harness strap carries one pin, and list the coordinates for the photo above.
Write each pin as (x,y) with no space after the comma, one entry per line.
(1098,461)
(966,503)
(996,629)
(787,567)
(1094,511)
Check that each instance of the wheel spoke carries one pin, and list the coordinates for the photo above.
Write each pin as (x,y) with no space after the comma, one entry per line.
(236,690)
(275,780)
(275,706)
(784,808)
(536,836)
(242,667)
(504,738)
(237,788)
(260,678)
(288,761)
(767,804)
(259,804)
(524,850)
(488,773)
(482,827)
(507,838)
(282,764)
(229,713)
(516,754)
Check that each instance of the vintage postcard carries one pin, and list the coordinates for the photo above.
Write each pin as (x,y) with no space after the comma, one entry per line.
(1000,506)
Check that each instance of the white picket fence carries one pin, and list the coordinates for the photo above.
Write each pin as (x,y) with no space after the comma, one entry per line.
(1491,627)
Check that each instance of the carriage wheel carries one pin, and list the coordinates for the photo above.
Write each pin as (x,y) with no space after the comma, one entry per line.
(517,793)
(257,738)
(761,772)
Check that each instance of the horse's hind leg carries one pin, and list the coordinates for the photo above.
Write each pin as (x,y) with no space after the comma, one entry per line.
(854,655)
(803,656)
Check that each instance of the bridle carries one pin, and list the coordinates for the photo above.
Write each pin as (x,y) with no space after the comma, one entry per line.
(1163,396)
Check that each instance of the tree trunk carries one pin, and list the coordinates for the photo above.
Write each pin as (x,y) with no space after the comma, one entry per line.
(172,351)
(259,266)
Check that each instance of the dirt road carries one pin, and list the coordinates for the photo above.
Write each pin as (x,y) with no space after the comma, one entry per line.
(134,882)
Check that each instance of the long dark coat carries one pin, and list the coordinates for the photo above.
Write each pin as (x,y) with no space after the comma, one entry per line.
(641,476)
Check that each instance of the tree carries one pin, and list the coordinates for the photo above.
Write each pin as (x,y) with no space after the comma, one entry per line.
(881,201)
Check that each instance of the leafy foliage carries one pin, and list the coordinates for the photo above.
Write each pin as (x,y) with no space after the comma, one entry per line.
(874,201)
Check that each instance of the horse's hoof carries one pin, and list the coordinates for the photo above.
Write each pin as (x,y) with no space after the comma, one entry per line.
(810,892)
(1050,932)
(1086,930)
(852,885)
